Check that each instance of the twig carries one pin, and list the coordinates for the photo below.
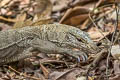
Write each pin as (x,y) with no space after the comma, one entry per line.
(22,74)
(97,59)
(44,70)
(116,26)
(98,29)
(8,20)
(99,2)
(99,16)
(64,74)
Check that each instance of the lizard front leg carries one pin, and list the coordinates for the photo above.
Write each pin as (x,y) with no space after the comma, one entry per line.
(49,47)
(25,54)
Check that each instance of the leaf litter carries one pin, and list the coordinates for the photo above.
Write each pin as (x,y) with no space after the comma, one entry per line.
(98,18)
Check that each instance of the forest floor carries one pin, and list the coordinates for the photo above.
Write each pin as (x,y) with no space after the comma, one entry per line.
(99,18)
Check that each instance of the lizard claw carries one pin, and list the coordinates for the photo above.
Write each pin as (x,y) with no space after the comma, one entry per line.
(80,56)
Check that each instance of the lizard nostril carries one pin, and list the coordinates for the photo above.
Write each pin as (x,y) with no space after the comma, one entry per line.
(80,40)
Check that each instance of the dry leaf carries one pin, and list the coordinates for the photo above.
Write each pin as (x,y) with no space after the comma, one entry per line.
(76,20)
(42,9)
(74,16)
(60,5)
(97,35)
(4,2)
(115,52)
(20,21)
(25,1)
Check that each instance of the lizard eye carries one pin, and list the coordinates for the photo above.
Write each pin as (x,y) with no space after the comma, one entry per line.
(70,38)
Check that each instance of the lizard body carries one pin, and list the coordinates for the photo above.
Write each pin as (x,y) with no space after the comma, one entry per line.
(18,44)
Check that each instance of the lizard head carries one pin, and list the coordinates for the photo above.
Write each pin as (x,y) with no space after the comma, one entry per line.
(84,37)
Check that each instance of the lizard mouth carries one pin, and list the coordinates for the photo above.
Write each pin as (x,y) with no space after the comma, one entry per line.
(88,45)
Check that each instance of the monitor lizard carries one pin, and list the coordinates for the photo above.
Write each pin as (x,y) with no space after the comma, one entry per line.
(17,44)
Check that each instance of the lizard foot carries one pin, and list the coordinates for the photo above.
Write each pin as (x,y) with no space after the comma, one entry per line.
(79,55)
(49,47)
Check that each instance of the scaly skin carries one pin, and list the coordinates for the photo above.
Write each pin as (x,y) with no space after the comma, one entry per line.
(18,44)
(60,34)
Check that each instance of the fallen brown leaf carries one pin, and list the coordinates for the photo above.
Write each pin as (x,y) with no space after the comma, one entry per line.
(75,16)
